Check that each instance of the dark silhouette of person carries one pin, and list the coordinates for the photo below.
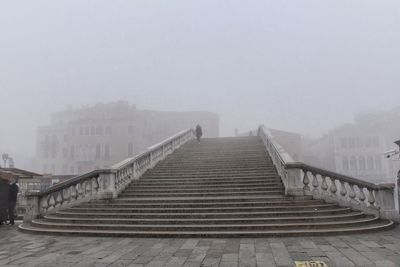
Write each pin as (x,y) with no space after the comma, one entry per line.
(199,132)
(4,188)
(12,201)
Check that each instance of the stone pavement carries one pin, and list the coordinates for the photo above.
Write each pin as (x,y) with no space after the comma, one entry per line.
(18,249)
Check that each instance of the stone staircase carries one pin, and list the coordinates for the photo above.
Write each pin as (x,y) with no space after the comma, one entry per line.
(222,187)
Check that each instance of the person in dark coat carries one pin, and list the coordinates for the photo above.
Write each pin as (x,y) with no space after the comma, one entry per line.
(4,187)
(199,132)
(12,201)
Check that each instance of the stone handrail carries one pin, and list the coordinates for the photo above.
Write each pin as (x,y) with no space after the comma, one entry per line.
(301,179)
(102,184)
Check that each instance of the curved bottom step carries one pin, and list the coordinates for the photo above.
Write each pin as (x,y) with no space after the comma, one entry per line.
(383,225)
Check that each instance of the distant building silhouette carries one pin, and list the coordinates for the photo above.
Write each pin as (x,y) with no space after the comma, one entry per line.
(357,149)
(80,140)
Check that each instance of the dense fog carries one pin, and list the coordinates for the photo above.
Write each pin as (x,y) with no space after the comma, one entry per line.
(302,66)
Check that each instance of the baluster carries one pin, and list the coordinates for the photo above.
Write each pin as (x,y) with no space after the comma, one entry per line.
(66,195)
(333,187)
(88,187)
(306,182)
(95,183)
(58,199)
(352,193)
(371,198)
(315,183)
(52,202)
(361,196)
(79,191)
(45,203)
(324,185)
(74,192)
(343,190)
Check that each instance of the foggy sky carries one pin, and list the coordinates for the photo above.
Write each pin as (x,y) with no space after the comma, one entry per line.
(304,66)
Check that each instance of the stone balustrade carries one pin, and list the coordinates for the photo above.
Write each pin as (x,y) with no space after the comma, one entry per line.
(104,184)
(302,179)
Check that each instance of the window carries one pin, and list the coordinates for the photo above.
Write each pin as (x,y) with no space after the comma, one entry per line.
(130,150)
(368,142)
(65,152)
(360,142)
(72,152)
(87,131)
(375,141)
(99,130)
(130,129)
(81,131)
(378,163)
(353,163)
(107,151)
(352,142)
(65,169)
(98,151)
(92,130)
(44,168)
(361,163)
(108,130)
(370,163)
(345,163)
(343,142)
(71,170)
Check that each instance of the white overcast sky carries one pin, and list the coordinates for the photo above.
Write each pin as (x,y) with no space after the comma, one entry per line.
(299,65)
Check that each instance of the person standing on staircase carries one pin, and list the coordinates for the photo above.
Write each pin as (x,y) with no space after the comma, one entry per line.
(199,132)
(12,201)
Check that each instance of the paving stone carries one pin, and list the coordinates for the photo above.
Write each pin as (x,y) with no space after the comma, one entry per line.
(356,257)
(339,259)
(371,244)
(18,249)
(281,255)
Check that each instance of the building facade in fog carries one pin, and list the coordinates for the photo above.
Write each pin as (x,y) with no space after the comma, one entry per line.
(80,140)
(358,149)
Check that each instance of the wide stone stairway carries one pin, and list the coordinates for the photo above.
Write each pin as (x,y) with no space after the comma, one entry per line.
(222,187)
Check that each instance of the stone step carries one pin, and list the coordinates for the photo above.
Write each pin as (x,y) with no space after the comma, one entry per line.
(206,170)
(202,185)
(193,215)
(200,189)
(204,194)
(207,227)
(382,225)
(201,204)
(210,180)
(203,164)
(213,199)
(255,220)
(207,173)
(241,177)
(201,209)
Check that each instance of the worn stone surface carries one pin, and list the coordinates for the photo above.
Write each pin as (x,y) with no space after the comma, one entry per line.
(19,249)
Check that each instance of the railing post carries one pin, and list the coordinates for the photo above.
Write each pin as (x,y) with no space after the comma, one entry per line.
(385,201)
(294,185)
(32,206)
(107,186)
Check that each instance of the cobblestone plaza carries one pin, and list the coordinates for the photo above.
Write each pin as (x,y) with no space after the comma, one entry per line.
(19,249)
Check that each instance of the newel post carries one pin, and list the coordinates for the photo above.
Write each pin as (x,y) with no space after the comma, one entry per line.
(107,188)
(32,206)
(385,201)
(294,185)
